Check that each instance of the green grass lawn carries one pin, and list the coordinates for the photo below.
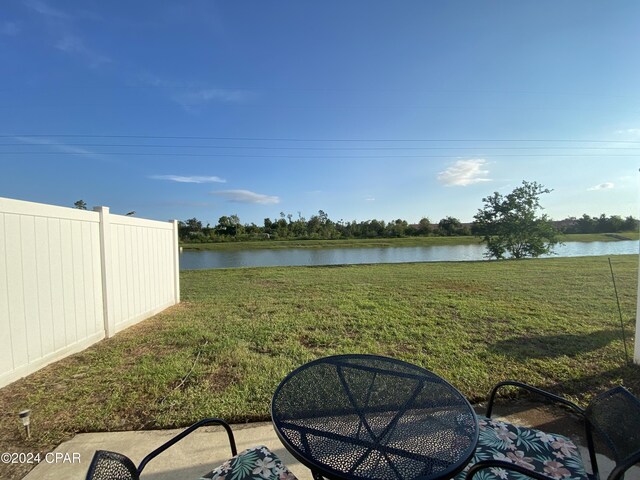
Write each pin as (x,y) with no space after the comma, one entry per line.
(238,332)
(337,243)
(389,242)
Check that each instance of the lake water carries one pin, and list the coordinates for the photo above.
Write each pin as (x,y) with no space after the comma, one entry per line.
(339,256)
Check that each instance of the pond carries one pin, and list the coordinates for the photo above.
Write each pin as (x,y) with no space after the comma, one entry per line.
(190,260)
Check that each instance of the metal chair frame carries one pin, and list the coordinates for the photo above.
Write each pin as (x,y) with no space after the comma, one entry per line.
(621,466)
(128,464)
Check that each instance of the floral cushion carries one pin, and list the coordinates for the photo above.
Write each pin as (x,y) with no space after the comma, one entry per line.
(257,463)
(549,454)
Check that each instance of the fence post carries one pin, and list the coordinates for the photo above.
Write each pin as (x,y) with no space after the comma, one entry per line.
(176,261)
(105,263)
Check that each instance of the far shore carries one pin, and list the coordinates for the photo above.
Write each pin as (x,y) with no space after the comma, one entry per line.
(387,242)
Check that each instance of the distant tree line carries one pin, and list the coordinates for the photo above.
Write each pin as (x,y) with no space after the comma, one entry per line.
(320,226)
(601,224)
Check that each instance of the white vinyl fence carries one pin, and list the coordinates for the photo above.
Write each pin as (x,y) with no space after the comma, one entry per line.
(69,278)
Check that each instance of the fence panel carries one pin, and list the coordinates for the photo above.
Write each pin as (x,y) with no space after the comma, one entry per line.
(64,286)
(137,274)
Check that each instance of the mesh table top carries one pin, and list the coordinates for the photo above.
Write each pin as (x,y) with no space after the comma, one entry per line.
(370,417)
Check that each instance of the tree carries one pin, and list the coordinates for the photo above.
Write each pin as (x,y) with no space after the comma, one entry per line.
(193,225)
(80,205)
(511,224)
(190,230)
(268,225)
(229,225)
(630,224)
(586,224)
(449,226)
(424,226)
(397,228)
(615,223)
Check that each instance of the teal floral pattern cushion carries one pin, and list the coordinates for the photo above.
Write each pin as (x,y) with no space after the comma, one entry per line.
(549,454)
(257,463)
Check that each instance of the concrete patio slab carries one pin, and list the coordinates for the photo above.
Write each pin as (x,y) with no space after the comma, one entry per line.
(208,447)
(190,458)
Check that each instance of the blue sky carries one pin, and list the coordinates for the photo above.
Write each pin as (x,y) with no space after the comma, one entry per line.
(364,109)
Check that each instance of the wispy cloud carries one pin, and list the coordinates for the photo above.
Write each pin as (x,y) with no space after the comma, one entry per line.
(465,172)
(602,186)
(10,28)
(150,79)
(60,26)
(74,45)
(213,95)
(246,196)
(192,99)
(44,9)
(634,132)
(60,147)
(189,179)
(369,199)
(193,95)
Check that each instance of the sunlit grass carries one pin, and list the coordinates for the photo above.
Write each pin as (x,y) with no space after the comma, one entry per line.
(238,332)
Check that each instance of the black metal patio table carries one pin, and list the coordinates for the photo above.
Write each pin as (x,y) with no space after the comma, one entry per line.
(365,417)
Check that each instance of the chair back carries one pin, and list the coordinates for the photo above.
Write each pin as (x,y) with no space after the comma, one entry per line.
(111,466)
(615,418)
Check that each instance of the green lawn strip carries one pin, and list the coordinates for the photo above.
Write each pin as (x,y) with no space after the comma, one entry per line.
(599,237)
(238,332)
(389,242)
(335,243)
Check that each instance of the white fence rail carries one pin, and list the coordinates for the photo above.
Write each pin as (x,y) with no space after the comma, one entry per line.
(69,278)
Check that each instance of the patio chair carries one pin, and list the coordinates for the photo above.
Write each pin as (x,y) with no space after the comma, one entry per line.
(506,451)
(257,463)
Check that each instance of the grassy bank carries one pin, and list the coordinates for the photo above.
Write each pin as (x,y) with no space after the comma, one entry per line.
(389,242)
(238,332)
(344,243)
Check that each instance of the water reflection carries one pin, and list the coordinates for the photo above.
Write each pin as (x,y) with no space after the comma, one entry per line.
(340,256)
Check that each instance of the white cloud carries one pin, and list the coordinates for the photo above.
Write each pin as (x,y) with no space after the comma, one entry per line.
(191,95)
(70,44)
(147,78)
(60,147)
(60,25)
(634,132)
(44,9)
(464,172)
(10,28)
(191,179)
(602,186)
(369,199)
(246,196)
(74,45)
(214,94)
(195,98)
